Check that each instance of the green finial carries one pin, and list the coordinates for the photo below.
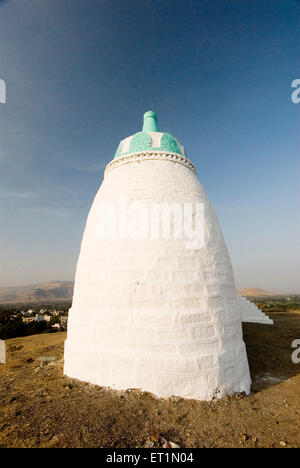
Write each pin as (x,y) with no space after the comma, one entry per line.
(150,122)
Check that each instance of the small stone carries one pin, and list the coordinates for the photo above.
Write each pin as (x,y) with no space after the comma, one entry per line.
(282,443)
(173,445)
(163,441)
(68,386)
(245,437)
(149,444)
(46,360)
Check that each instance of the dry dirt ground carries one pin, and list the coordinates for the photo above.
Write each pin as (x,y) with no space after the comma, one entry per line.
(41,408)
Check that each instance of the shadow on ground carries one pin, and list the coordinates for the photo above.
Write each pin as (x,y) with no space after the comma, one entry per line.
(269,349)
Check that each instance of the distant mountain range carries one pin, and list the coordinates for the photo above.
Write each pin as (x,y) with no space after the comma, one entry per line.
(42,292)
(255,292)
(63,290)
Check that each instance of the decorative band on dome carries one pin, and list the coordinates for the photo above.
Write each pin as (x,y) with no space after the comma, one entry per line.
(150,155)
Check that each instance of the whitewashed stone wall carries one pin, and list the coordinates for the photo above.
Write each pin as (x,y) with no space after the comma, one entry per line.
(251,313)
(2,352)
(151,314)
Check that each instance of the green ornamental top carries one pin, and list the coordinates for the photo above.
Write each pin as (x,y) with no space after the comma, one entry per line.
(150,122)
(147,141)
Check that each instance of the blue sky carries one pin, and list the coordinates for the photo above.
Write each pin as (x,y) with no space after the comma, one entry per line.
(79,76)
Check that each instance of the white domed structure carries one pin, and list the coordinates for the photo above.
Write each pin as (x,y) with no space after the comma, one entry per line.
(152,309)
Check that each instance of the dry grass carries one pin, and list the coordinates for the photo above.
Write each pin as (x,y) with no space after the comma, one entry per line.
(39,407)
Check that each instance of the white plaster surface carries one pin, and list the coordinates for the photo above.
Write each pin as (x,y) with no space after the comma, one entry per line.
(251,313)
(148,313)
(2,352)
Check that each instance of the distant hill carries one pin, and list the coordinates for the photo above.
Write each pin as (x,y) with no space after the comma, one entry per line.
(255,292)
(63,290)
(41,292)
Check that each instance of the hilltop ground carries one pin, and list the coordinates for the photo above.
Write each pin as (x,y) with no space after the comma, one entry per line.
(41,408)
